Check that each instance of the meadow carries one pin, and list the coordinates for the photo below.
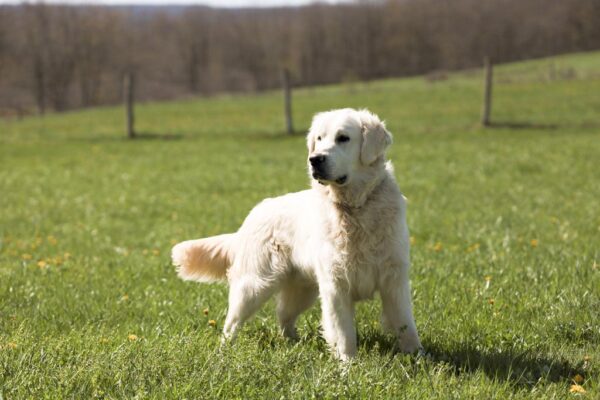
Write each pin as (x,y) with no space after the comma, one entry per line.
(505,232)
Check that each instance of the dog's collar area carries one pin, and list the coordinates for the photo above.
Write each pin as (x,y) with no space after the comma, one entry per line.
(345,203)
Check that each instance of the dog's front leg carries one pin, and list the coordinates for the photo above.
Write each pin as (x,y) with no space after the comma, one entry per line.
(338,320)
(397,311)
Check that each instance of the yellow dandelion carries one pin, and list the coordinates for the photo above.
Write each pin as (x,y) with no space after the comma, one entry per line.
(57,260)
(577,389)
(212,323)
(491,301)
(125,297)
(52,240)
(487,278)
(578,379)
(155,252)
(132,337)
(42,264)
(472,247)
(11,345)
(205,311)
(534,243)
(26,256)
(413,240)
(103,340)
(586,358)
(437,247)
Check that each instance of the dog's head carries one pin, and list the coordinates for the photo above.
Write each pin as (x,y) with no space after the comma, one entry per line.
(344,143)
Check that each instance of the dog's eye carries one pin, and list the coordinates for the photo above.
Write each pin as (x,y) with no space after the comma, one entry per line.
(318,137)
(342,139)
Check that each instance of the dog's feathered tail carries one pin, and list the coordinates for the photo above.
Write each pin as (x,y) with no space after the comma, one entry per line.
(204,260)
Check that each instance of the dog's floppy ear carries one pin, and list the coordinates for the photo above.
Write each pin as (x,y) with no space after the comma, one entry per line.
(375,138)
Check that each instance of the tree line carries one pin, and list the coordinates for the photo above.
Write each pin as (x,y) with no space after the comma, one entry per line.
(55,57)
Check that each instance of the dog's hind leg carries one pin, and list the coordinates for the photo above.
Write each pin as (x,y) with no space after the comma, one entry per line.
(246,295)
(296,296)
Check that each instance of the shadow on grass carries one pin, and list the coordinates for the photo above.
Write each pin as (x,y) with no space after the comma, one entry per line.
(139,137)
(238,135)
(258,135)
(521,369)
(157,136)
(542,126)
(522,125)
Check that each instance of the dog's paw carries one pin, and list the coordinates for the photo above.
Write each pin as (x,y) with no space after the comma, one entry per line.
(410,344)
(290,333)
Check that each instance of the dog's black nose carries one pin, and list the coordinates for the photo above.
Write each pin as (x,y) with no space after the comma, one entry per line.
(315,161)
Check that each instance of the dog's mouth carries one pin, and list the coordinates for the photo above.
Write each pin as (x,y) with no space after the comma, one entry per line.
(322,175)
(324,181)
(341,180)
(319,174)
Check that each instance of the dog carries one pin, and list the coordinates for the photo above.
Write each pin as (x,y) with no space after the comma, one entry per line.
(342,240)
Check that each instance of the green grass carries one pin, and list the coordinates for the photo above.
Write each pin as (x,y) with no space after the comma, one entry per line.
(477,197)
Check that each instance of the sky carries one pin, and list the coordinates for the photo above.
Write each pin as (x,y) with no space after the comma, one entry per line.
(214,3)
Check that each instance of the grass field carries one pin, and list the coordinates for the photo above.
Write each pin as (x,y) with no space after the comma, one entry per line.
(505,224)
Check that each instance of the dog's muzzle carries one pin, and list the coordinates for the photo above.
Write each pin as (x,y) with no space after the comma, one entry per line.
(318,166)
(319,172)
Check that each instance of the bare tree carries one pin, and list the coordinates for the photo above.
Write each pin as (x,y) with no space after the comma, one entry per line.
(94,51)
(193,37)
(37,37)
(60,57)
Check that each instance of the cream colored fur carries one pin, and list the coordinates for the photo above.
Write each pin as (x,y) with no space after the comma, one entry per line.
(342,240)
(204,260)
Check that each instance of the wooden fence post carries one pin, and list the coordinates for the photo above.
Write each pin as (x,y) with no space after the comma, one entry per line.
(129,93)
(287,94)
(487,94)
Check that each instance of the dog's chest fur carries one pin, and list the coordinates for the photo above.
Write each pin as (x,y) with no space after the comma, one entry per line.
(363,241)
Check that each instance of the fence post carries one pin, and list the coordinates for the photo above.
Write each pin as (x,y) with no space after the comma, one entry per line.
(487,94)
(129,91)
(287,94)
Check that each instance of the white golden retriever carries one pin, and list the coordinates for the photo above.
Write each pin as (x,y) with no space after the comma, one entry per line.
(342,240)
